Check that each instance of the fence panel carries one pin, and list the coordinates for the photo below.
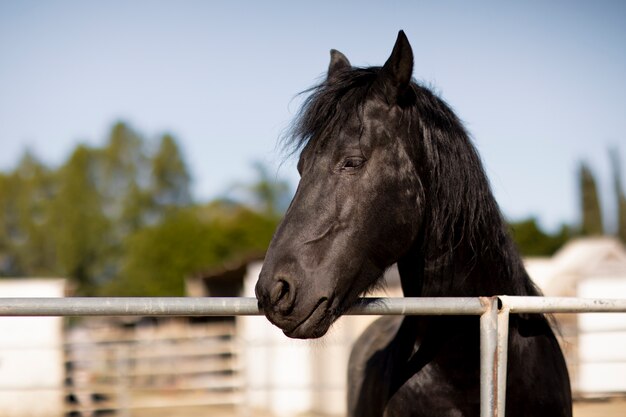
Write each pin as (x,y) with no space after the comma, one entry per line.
(494,312)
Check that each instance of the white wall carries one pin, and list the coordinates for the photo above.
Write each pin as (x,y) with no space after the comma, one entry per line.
(31,355)
(277,369)
(287,376)
(602,339)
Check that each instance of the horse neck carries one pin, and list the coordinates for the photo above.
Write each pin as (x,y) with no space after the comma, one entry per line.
(464,248)
(487,266)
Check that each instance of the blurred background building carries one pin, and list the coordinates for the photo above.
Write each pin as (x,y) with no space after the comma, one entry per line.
(32,371)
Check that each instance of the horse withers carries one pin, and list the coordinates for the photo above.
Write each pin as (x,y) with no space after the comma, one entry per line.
(389,175)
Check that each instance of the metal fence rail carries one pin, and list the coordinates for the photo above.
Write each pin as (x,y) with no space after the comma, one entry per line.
(219,306)
(493,311)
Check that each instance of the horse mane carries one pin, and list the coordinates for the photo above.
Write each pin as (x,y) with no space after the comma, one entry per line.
(462,216)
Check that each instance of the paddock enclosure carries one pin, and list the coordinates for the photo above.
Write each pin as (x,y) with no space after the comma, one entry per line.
(493,311)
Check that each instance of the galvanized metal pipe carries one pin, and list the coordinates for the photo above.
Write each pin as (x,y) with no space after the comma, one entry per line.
(502,360)
(236,306)
(127,306)
(488,357)
(219,306)
(523,304)
(413,306)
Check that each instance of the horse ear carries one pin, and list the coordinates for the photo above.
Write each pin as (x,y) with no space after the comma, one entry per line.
(338,62)
(397,71)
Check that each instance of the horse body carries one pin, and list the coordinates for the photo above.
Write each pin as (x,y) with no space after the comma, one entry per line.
(439,375)
(388,174)
(431,366)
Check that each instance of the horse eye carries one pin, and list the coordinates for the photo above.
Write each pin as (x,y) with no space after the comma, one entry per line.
(352,162)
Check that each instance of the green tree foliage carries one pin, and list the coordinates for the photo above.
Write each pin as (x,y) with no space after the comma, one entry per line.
(120,219)
(590,203)
(36,252)
(170,185)
(121,167)
(7,225)
(158,258)
(532,241)
(268,193)
(24,194)
(620,196)
(80,229)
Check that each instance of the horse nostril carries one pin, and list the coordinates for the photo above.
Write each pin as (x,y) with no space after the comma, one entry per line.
(278,291)
(282,296)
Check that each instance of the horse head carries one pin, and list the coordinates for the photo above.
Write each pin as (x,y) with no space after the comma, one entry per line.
(357,207)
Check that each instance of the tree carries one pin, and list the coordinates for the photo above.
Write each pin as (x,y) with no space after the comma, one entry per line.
(10,232)
(270,194)
(532,241)
(25,247)
(170,179)
(36,250)
(120,220)
(267,194)
(139,188)
(78,224)
(590,203)
(121,165)
(158,258)
(620,197)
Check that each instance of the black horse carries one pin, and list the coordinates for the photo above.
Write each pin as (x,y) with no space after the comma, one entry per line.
(388,174)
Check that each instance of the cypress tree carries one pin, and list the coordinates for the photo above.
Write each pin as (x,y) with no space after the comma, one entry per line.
(620,197)
(590,203)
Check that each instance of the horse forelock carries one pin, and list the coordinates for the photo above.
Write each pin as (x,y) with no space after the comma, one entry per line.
(329,106)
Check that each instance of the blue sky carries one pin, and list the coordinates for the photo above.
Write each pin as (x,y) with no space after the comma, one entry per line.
(540,85)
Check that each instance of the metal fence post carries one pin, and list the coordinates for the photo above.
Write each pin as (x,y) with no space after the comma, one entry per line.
(488,354)
(502,356)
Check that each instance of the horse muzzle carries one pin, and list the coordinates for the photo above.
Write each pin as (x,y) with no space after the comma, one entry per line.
(297,311)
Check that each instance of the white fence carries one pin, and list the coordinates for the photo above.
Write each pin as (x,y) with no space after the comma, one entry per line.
(134,366)
(493,311)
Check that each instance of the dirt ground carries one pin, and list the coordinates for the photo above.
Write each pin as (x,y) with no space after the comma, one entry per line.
(615,407)
(588,408)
